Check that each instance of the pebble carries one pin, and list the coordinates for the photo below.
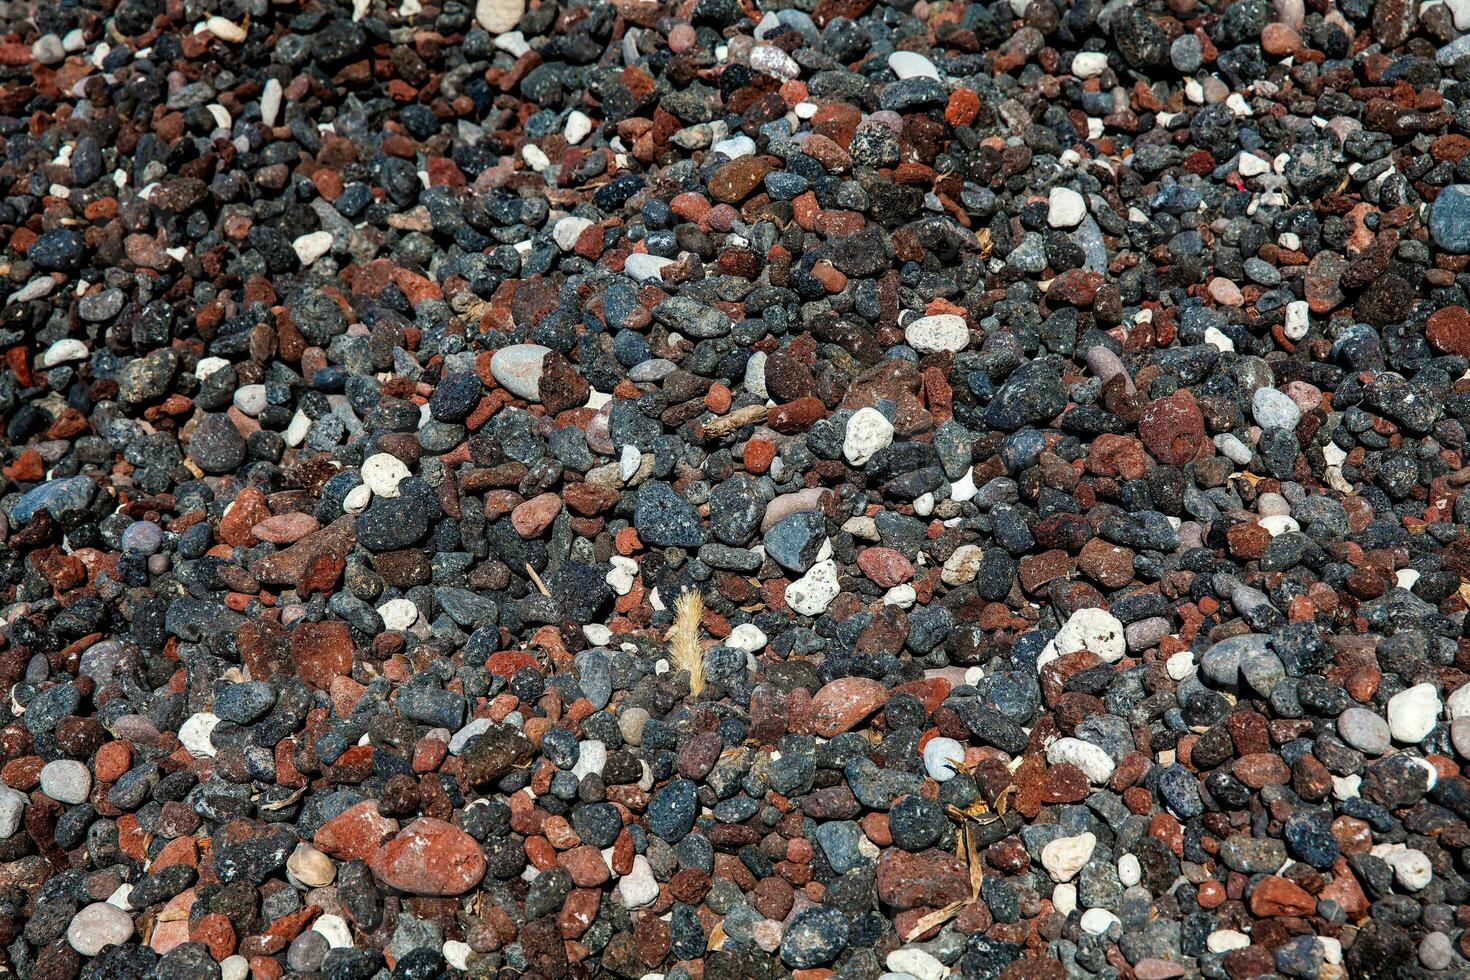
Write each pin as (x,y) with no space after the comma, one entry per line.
(97,926)
(940,332)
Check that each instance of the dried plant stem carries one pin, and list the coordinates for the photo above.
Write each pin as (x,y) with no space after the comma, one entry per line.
(683,638)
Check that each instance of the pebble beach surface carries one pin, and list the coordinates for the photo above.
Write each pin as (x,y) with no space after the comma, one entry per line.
(731,489)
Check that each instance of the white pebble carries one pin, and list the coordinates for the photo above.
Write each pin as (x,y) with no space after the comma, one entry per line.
(620,578)
(12,809)
(1298,320)
(577,128)
(1064,898)
(942,757)
(747,637)
(67,349)
(1092,759)
(917,964)
(398,614)
(902,595)
(1224,940)
(225,29)
(250,399)
(234,967)
(66,781)
(936,333)
(99,925)
(641,266)
(1412,713)
(1096,630)
(811,594)
(566,231)
(357,499)
(591,758)
(270,101)
(382,472)
(963,564)
(457,954)
(1065,856)
(1130,871)
(311,247)
(195,732)
(908,64)
(335,928)
(1089,64)
(868,431)
(1180,665)
(638,888)
(498,16)
(1095,922)
(1065,208)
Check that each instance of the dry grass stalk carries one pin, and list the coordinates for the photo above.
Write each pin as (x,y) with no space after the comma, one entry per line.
(683,638)
(738,419)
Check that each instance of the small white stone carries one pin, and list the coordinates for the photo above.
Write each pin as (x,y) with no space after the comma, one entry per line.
(1345,788)
(297,430)
(917,964)
(357,499)
(591,758)
(902,595)
(335,928)
(1065,208)
(1065,856)
(868,431)
(747,637)
(270,101)
(628,462)
(597,634)
(620,578)
(1180,665)
(1096,630)
(234,967)
(457,954)
(1331,950)
(195,732)
(1217,339)
(642,267)
(1130,871)
(67,349)
(209,365)
(1095,922)
(310,867)
(566,231)
(638,888)
(908,64)
(225,29)
(1405,578)
(962,565)
(12,809)
(66,781)
(734,147)
(461,738)
(512,42)
(771,60)
(1412,713)
(99,925)
(398,614)
(1064,898)
(1279,524)
(924,504)
(498,16)
(577,128)
(1298,320)
(1092,759)
(936,333)
(535,157)
(1457,705)
(942,757)
(382,472)
(964,488)
(811,594)
(1224,940)
(250,399)
(1251,165)
(1089,64)
(1411,868)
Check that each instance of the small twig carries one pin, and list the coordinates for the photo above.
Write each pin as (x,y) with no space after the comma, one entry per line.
(540,585)
(741,417)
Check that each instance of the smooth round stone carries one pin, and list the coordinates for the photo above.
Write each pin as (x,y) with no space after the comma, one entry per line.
(734,147)
(1460,736)
(1065,208)
(566,231)
(382,472)
(144,537)
(1089,64)
(1274,409)
(311,867)
(748,637)
(936,333)
(578,127)
(234,967)
(12,808)
(1130,870)
(99,925)
(1364,730)
(942,757)
(907,64)
(1436,952)
(517,369)
(639,887)
(66,781)
(357,499)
